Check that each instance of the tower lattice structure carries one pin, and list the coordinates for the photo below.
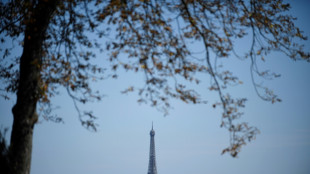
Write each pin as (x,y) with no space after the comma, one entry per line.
(152,159)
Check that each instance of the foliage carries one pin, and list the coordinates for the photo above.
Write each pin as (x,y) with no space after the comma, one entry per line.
(157,39)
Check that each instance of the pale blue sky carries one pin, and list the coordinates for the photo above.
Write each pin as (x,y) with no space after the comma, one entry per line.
(189,139)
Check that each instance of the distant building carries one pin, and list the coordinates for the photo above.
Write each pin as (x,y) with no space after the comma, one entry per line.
(152,159)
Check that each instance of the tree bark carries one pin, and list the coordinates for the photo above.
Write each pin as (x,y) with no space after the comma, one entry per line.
(28,94)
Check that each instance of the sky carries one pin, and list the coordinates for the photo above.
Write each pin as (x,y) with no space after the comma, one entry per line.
(189,139)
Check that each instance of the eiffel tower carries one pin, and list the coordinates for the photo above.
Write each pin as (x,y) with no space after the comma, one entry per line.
(152,159)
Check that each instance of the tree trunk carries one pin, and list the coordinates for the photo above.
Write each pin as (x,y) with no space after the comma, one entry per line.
(28,93)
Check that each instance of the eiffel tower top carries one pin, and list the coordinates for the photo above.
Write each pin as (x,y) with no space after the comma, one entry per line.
(152,133)
(152,158)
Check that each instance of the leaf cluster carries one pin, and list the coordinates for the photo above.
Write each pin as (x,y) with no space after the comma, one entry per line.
(156,38)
